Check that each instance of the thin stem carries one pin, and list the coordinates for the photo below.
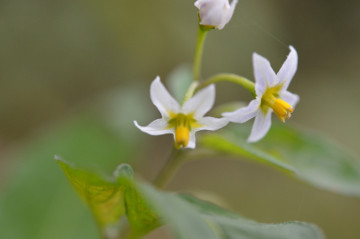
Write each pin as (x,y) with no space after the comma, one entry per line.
(247,84)
(190,92)
(171,165)
(198,53)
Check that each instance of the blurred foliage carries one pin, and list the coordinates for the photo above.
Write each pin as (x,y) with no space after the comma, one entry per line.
(187,216)
(37,202)
(298,152)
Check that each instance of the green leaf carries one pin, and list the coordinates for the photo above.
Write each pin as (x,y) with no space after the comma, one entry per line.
(110,198)
(188,217)
(232,226)
(179,215)
(306,155)
(105,198)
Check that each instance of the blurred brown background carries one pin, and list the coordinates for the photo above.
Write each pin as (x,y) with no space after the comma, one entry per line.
(59,57)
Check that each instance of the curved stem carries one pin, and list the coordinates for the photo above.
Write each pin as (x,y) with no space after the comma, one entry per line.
(171,165)
(247,84)
(198,53)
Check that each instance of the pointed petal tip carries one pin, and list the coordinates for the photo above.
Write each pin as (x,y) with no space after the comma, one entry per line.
(210,88)
(192,141)
(136,124)
(255,55)
(292,48)
(156,80)
(252,140)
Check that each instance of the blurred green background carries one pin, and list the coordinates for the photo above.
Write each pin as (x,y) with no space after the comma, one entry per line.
(75,74)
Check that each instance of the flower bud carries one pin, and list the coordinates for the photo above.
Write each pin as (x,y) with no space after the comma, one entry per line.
(215,13)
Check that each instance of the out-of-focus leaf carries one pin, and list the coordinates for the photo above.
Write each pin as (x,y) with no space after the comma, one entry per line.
(308,156)
(36,201)
(111,198)
(179,81)
(105,198)
(232,226)
(188,217)
(184,221)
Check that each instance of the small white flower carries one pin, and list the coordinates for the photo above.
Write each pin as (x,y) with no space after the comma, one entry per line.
(215,13)
(271,95)
(182,120)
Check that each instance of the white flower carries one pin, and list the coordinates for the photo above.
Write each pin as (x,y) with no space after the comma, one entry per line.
(215,13)
(182,120)
(271,95)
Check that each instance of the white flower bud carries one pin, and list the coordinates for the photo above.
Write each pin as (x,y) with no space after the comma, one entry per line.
(215,13)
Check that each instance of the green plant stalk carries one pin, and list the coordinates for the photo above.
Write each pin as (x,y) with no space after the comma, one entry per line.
(190,92)
(247,84)
(198,53)
(168,171)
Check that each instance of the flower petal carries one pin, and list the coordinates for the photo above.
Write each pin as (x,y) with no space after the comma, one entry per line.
(261,126)
(216,13)
(162,99)
(264,74)
(288,69)
(290,98)
(244,114)
(211,123)
(192,141)
(157,127)
(200,103)
(230,12)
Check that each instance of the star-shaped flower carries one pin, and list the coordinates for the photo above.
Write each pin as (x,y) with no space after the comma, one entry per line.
(271,95)
(183,121)
(215,13)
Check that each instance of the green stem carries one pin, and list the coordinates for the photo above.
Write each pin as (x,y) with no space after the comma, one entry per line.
(247,84)
(190,92)
(171,165)
(198,53)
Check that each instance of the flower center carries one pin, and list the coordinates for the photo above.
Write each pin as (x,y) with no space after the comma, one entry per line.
(182,124)
(271,99)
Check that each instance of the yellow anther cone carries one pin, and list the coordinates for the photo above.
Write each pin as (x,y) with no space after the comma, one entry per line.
(181,136)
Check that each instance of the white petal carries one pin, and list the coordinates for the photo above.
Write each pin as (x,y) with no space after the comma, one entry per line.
(215,13)
(264,74)
(211,123)
(290,98)
(192,141)
(230,12)
(162,99)
(157,127)
(200,103)
(288,69)
(244,114)
(261,126)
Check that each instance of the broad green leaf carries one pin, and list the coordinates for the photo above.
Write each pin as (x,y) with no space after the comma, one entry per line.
(111,198)
(188,217)
(184,221)
(308,156)
(232,226)
(105,198)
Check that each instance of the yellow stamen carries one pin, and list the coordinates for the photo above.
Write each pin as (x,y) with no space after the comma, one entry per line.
(282,109)
(270,99)
(181,136)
